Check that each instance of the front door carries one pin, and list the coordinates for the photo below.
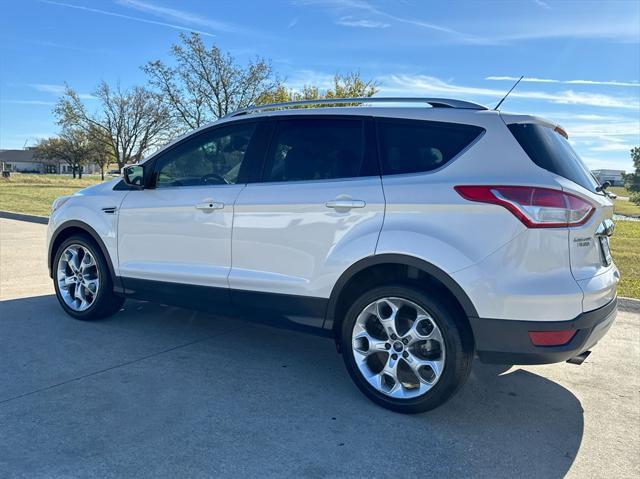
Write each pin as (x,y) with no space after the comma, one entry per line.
(176,237)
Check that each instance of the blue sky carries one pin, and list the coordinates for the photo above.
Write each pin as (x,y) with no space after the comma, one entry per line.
(581,58)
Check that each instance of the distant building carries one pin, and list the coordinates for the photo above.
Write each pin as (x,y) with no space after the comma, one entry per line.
(22,161)
(615,177)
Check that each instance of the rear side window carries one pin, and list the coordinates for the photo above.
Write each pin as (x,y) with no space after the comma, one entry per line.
(316,149)
(411,146)
(551,151)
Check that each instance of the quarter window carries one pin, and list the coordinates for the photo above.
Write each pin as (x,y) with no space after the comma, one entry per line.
(317,149)
(411,146)
(211,158)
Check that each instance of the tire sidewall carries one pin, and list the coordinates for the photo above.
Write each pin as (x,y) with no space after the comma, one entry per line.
(93,311)
(456,355)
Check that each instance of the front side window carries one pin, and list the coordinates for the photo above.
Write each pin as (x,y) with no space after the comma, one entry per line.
(316,149)
(210,158)
(412,146)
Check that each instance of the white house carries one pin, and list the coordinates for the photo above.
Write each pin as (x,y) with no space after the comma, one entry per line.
(615,177)
(22,161)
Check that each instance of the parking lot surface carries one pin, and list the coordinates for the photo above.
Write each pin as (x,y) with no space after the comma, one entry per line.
(157,391)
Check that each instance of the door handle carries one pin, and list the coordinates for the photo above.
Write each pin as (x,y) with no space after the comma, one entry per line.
(209,206)
(345,204)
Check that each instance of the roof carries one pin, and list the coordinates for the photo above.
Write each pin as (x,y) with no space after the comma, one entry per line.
(18,156)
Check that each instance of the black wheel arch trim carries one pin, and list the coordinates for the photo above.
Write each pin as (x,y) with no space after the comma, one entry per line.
(394,258)
(96,237)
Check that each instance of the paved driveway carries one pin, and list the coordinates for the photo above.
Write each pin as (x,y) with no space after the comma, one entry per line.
(158,391)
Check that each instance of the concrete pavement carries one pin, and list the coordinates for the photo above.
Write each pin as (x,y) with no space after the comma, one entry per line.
(157,391)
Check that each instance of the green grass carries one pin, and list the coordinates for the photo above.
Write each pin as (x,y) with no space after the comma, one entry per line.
(619,190)
(625,248)
(33,194)
(627,208)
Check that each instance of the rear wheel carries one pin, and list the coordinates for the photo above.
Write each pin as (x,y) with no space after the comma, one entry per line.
(82,281)
(407,350)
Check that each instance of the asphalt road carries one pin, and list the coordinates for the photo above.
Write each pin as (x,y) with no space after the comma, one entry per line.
(157,391)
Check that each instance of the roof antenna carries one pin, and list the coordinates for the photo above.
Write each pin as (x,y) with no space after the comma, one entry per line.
(505,97)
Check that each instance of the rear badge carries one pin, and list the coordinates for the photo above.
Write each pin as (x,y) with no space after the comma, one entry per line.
(582,242)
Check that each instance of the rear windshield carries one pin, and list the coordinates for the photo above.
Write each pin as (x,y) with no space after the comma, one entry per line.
(551,151)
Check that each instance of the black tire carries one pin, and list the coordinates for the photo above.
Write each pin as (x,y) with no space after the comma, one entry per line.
(456,335)
(106,303)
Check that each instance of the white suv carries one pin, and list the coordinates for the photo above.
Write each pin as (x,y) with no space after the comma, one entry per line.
(417,237)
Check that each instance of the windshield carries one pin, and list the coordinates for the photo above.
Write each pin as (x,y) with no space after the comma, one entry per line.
(551,151)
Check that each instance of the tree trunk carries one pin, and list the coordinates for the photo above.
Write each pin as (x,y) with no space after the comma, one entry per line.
(73,169)
(102,173)
(80,172)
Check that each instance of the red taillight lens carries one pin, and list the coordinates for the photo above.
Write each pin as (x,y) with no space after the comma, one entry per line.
(551,338)
(535,207)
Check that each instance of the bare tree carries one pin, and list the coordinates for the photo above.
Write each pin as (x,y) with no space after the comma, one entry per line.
(129,122)
(205,83)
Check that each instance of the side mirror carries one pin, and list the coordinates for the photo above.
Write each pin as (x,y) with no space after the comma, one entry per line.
(133,175)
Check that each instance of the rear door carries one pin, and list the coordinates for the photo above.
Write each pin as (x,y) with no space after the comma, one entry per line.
(317,209)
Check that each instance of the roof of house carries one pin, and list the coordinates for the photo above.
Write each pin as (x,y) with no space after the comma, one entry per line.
(18,156)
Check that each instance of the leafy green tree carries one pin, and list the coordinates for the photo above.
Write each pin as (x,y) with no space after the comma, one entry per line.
(74,147)
(350,85)
(632,180)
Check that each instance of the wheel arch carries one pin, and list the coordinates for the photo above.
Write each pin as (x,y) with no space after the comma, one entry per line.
(69,228)
(391,262)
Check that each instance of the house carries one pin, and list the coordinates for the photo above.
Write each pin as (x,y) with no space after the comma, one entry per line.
(23,161)
(615,177)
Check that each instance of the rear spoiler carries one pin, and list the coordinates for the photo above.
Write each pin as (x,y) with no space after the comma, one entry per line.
(510,119)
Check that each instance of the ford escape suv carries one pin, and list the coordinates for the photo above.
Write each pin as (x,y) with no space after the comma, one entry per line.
(418,237)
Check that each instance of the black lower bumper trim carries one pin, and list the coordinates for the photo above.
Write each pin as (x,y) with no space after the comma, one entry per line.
(505,341)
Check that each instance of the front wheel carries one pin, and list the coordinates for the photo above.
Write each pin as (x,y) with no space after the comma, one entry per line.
(406,349)
(82,281)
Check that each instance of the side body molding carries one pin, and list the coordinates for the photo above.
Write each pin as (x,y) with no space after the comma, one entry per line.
(392,258)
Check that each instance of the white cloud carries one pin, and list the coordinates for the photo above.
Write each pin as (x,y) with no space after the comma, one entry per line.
(566,82)
(126,17)
(179,16)
(423,84)
(360,23)
(29,102)
(58,90)
(542,4)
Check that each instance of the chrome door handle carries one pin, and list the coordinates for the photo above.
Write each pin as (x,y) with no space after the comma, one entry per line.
(345,204)
(209,206)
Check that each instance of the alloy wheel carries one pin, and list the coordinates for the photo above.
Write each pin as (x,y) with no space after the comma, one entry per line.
(77,276)
(398,347)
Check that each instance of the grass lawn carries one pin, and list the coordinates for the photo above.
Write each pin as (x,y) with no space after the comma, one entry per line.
(625,248)
(33,194)
(627,208)
(619,190)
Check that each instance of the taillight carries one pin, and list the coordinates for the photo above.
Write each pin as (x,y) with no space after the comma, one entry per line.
(535,207)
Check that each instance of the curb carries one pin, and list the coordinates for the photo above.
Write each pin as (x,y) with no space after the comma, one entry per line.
(10,215)
(630,305)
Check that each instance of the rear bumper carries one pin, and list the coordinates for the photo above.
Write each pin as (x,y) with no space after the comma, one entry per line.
(507,341)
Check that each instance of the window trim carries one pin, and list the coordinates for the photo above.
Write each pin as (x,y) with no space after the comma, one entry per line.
(151,181)
(369,146)
(378,120)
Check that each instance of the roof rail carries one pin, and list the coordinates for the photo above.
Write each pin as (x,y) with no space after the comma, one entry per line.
(434,102)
